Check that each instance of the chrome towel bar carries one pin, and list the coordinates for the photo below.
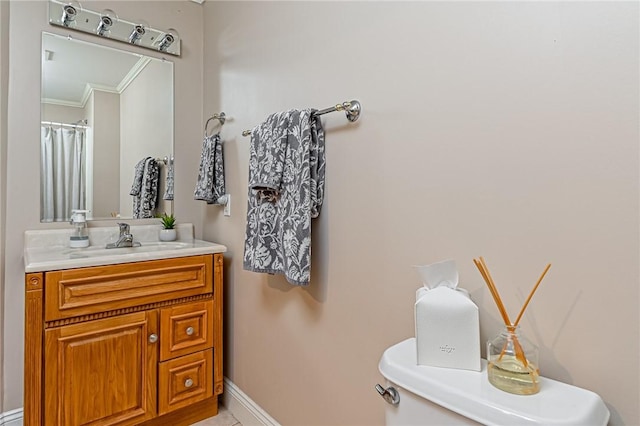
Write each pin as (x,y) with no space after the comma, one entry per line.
(352,110)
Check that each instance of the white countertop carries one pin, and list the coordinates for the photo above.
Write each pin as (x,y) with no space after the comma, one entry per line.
(48,250)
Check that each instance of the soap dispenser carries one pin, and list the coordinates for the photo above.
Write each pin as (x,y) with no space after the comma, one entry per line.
(80,237)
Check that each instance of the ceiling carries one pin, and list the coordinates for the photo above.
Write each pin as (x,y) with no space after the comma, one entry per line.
(68,76)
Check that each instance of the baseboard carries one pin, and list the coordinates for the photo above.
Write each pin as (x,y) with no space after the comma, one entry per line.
(243,408)
(11,418)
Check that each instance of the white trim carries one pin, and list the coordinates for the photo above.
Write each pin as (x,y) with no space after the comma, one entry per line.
(11,418)
(143,61)
(243,408)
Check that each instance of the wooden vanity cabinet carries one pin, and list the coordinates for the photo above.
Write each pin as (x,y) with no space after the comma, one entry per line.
(128,344)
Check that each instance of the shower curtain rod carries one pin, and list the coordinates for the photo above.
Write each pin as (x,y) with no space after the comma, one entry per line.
(54,123)
(351,108)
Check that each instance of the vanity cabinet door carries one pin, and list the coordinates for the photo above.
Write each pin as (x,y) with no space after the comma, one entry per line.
(102,372)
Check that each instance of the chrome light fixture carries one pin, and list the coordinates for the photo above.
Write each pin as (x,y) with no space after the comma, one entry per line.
(168,39)
(137,33)
(107,18)
(69,13)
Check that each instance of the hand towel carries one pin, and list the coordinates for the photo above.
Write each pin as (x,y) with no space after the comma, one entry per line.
(136,186)
(145,188)
(278,233)
(168,192)
(210,185)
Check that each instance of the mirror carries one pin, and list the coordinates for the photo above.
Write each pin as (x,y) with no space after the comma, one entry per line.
(104,111)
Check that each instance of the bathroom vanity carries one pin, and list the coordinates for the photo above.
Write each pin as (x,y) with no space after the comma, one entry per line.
(128,336)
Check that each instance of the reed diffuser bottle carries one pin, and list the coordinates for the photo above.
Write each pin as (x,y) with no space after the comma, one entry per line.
(513,362)
(512,359)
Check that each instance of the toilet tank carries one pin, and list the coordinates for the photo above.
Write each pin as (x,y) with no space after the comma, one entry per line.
(447,396)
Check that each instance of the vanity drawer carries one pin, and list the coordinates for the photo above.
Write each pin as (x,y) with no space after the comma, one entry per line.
(186,328)
(185,380)
(83,291)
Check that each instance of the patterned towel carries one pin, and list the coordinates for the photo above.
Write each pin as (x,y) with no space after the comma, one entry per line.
(145,188)
(210,184)
(278,234)
(168,192)
(269,142)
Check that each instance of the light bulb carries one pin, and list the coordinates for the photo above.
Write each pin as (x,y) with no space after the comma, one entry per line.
(107,19)
(70,11)
(170,37)
(138,31)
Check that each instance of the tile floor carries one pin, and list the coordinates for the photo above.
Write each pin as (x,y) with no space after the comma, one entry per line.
(224,418)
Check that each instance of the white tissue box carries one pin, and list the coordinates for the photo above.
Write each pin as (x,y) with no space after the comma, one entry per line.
(447,322)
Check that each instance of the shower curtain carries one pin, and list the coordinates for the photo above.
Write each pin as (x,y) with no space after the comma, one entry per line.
(62,172)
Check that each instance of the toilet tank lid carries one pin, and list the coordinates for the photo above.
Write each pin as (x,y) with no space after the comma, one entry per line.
(470,394)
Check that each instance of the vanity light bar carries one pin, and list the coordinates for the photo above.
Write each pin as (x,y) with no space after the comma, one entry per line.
(70,15)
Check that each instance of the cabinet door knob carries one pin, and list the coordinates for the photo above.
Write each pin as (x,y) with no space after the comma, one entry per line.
(188,383)
(189,331)
(153,338)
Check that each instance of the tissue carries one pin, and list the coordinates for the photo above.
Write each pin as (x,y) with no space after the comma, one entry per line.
(446,320)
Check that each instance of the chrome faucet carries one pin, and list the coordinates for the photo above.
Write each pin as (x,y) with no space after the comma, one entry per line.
(125,239)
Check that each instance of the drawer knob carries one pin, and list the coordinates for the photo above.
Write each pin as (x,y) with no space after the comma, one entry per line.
(153,338)
(190,331)
(188,383)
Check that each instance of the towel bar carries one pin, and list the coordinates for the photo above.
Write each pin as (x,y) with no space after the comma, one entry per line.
(351,108)
(220,117)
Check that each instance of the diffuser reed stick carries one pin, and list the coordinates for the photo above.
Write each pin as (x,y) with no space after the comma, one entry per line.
(515,324)
(486,275)
(484,271)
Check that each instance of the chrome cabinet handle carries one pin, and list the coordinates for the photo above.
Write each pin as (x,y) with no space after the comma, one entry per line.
(389,394)
(189,331)
(153,338)
(188,383)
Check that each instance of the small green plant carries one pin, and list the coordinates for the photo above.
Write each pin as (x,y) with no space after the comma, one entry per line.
(168,221)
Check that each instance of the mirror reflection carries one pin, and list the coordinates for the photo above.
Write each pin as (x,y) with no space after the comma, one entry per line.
(106,132)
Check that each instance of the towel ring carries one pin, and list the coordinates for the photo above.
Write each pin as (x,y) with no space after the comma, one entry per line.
(220,117)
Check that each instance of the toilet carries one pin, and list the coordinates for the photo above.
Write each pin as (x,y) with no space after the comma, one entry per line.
(423,395)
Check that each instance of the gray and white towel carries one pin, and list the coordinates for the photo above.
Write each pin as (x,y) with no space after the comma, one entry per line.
(210,185)
(270,144)
(168,192)
(278,234)
(145,188)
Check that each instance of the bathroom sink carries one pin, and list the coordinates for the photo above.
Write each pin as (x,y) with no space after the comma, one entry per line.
(145,247)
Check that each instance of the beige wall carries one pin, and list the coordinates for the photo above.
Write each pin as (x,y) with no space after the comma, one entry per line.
(63,113)
(27,21)
(4,85)
(105,123)
(142,105)
(505,130)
